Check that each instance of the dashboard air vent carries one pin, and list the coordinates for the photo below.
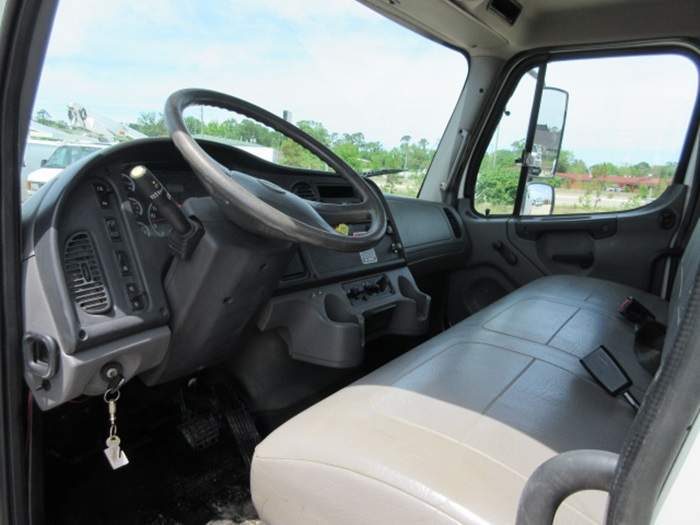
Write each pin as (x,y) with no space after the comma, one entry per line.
(84,275)
(305,191)
(454,222)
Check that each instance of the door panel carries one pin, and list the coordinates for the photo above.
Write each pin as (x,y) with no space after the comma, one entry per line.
(509,252)
(495,268)
(614,198)
(625,247)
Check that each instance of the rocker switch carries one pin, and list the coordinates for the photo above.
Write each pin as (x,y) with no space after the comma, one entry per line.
(124,264)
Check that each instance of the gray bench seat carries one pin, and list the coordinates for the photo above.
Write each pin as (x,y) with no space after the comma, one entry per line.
(451,431)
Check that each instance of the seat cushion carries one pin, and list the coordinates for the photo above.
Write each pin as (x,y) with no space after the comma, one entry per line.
(450,432)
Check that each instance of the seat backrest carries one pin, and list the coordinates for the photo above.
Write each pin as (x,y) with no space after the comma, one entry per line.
(680,294)
(670,405)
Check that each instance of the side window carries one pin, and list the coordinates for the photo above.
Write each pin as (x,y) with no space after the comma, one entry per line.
(499,172)
(620,141)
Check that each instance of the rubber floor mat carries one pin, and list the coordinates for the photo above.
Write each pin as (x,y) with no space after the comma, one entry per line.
(165,483)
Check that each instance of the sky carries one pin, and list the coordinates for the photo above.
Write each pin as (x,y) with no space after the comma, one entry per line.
(332,61)
(623,110)
(341,64)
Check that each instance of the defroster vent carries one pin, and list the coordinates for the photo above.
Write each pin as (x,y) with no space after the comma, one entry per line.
(84,275)
(305,191)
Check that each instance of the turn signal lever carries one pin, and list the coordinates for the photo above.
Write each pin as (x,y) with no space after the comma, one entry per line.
(186,233)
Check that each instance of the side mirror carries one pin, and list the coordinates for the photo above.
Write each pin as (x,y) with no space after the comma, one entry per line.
(539,199)
(549,132)
(43,162)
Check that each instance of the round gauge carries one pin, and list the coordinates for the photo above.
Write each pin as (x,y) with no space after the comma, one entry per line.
(128,183)
(144,228)
(136,207)
(159,226)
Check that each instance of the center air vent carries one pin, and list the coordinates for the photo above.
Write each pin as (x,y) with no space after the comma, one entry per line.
(305,191)
(84,275)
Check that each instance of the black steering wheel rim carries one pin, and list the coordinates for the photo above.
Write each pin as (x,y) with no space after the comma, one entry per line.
(244,199)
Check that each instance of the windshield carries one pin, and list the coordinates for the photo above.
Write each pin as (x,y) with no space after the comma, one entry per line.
(66,155)
(378,94)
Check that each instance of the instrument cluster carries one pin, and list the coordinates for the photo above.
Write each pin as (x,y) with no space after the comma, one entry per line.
(180,184)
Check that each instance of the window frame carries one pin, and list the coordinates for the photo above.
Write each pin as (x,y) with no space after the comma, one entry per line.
(518,67)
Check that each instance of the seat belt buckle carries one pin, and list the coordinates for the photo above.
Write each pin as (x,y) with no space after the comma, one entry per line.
(608,373)
(635,311)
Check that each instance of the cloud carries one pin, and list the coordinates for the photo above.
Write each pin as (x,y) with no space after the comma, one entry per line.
(336,62)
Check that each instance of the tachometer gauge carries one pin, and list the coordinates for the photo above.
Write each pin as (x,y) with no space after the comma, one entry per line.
(159,226)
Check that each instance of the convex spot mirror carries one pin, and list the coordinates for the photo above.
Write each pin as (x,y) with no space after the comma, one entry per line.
(539,199)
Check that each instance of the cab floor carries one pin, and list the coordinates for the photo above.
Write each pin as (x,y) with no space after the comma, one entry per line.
(165,483)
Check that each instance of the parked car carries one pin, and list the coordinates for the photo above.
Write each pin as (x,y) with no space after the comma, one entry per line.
(64,155)
(194,334)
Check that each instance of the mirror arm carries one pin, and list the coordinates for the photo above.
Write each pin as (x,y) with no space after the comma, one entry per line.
(527,159)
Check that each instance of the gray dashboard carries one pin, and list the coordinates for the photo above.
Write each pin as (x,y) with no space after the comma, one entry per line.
(104,290)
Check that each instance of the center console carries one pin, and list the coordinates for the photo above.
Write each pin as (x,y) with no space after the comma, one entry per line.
(329,304)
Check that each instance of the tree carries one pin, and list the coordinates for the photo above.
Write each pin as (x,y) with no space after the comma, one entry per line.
(350,153)
(316,130)
(497,186)
(42,117)
(292,154)
(225,129)
(405,140)
(641,169)
(151,123)
(194,125)
(568,163)
(604,168)
(251,131)
(593,190)
(357,139)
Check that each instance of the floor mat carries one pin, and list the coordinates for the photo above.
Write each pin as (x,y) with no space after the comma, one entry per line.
(165,483)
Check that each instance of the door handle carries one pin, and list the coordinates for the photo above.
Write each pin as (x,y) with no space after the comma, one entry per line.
(533,229)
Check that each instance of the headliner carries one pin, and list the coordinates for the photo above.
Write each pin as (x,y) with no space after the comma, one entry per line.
(469,24)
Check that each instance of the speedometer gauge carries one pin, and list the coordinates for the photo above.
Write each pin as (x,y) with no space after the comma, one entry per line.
(159,226)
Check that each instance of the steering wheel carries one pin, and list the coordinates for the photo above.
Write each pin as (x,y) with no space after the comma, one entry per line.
(264,208)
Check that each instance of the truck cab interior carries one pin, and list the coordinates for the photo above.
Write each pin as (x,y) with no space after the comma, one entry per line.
(257,320)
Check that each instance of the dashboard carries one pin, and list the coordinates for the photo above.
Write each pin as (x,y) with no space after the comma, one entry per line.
(104,291)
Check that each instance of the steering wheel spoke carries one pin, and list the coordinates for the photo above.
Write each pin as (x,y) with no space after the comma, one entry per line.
(264,208)
(335,214)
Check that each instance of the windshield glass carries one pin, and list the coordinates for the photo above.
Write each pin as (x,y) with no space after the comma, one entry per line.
(378,94)
(66,155)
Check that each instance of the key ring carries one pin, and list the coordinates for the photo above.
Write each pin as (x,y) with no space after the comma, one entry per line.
(116,393)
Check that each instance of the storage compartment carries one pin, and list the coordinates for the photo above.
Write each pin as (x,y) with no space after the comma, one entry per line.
(329,326)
